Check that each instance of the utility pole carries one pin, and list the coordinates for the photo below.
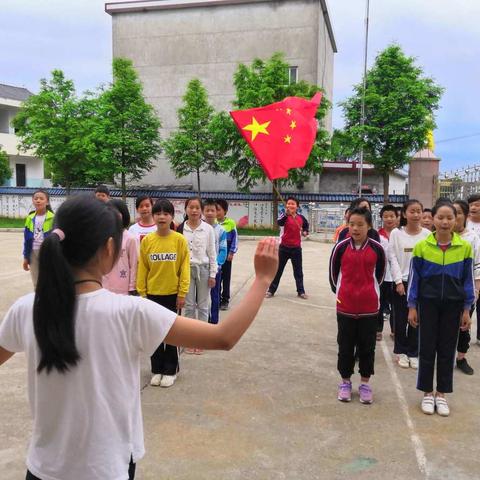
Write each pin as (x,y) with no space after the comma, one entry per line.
(362,116)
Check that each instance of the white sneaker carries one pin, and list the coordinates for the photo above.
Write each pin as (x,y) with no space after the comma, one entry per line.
(442,406)
(156,380)
(403,361)
(168,380)
(413,362)
(428,404)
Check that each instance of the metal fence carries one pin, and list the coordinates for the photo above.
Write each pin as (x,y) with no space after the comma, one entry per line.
(460,183)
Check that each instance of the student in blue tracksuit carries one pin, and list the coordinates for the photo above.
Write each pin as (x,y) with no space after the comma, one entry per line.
(441,293)
(210,216)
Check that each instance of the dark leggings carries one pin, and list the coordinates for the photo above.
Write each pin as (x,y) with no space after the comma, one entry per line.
(131,472)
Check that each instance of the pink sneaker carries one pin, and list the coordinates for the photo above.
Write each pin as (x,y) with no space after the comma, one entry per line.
(345,392)
(366,394)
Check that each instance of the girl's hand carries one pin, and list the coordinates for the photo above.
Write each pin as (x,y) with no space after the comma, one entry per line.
(305,233)
(266,259)
(412,317)
(211,282)
(400,288)
(26,265)
(465,321)
(230,257)
(180,303)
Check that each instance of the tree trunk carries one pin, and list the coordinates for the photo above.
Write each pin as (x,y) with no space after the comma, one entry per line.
(274,205)
(67,186)
(198,182)
(386,186)
(124,188)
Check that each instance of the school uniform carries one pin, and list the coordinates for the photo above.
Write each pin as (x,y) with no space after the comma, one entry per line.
(441,286)
(400,248)
(386,289)
(356,274)
(229,225)
(221,247)
(475,227)
(291,229)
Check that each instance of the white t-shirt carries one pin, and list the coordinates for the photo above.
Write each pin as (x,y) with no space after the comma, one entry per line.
(201,243)
(400,250)
(473,226)
(87,423)
(38,222)
(474,240)
(139,231)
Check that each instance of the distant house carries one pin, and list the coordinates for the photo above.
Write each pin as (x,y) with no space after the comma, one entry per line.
(26,167)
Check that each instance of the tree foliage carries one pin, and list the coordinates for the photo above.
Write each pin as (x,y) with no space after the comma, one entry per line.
(5,170)
(256,85)
(399,107)
(55,124)
(190,148)
(127,135)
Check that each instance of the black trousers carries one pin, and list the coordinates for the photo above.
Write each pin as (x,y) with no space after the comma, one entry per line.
(359,332)
(284,255)
(439,324)
(385,304)
(131,473)
(478,319)
(406,337)
(164,361)
(226,277)
(464,337)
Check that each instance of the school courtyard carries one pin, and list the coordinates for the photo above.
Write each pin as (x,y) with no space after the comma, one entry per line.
(267,409)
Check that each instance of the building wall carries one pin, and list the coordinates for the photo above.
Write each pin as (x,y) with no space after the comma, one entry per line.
(33,169)
(170,47)
(347,181)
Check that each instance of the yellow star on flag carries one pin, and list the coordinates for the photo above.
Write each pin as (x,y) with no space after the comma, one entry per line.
(289,111)
(293,124)
(257,128)
(287,139)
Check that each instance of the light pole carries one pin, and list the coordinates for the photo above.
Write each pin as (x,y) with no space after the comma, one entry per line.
(362,115)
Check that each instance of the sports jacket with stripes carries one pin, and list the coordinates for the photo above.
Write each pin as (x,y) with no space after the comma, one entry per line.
(356,275)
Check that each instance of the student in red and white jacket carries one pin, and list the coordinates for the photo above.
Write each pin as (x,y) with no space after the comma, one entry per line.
(293,227)
(357,268)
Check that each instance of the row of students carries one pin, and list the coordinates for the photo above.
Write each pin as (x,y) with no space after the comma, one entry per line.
(84,353)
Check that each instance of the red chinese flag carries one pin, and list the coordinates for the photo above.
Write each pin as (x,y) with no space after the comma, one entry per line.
(281,135)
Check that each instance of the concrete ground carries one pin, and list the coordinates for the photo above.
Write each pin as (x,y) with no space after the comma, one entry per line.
(268,409)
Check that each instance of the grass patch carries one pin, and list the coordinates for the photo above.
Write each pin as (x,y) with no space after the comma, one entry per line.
(12,222)
(257,232)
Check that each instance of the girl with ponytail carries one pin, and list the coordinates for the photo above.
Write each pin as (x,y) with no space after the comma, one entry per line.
(83,345)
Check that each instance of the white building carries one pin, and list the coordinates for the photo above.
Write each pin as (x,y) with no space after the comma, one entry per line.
(26,168)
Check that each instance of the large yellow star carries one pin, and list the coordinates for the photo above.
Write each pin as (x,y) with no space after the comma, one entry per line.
(287,139)
(257,128)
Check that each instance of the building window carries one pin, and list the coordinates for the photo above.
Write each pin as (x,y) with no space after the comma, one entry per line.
(292,74)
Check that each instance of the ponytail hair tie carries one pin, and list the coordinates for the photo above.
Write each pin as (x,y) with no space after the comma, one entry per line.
(60,234)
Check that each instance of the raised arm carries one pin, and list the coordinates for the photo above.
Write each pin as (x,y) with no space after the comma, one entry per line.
(223,336)
(5,355)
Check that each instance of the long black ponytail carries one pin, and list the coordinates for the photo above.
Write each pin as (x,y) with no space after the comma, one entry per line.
(86,224)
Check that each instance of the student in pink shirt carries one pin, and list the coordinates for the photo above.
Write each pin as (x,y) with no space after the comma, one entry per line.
(123,277)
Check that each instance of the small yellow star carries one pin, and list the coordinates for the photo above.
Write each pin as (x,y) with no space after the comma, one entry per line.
(257,128)
(293,124)
(287,139)
(289,111)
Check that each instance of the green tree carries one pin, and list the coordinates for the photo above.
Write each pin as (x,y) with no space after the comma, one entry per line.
(262,83)
(190,148)
(54,124)
(342,147)
(5,170)
(127,135)
(399,106)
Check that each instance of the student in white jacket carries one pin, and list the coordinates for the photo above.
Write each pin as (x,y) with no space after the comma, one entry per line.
(461,228)
(400,248)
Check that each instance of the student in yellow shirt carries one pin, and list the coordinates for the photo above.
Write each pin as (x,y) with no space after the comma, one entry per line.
(164,276)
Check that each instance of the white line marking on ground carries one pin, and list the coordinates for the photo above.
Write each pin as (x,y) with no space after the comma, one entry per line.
(414,437)
(306,304)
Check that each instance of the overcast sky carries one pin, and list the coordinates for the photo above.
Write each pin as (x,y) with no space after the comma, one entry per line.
(444,36)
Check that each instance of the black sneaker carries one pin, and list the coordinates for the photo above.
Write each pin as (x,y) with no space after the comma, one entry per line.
(224,306)
(464,366)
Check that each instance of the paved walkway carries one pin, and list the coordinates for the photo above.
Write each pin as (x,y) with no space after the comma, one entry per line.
(267,409)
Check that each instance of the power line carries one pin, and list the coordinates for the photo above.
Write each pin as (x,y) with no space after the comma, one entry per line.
(458,138)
